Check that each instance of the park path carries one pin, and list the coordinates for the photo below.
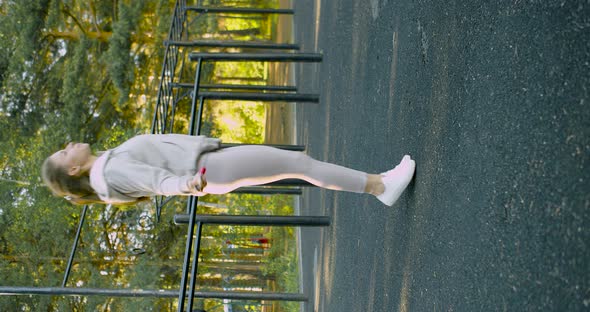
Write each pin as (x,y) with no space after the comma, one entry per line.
(492,102)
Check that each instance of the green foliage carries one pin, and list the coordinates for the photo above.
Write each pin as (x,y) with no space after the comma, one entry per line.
(239,121)
(54,88)
(84,70)
(76,91)
(119,58)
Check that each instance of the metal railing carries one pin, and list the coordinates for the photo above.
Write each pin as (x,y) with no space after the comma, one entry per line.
(168,96)
(195,220)
(166,93)
(198,97)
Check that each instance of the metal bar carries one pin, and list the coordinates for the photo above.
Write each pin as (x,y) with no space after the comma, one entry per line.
(191,127)
(169,94)
(268,191)
(200,114)
(159,203)
(251,96)
(74,247)
(195,267)
(232,87)
(239,57)
(163,74)
(248,190)
(167,200)
(175,105)
(187,253)
(155,117)
(289,182)
(232,44)
(281,146)
(175,101)
(256,220)
(192,202)
(159,293)
(238,10)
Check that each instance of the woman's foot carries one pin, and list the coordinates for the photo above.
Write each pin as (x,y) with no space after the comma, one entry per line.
(396,180)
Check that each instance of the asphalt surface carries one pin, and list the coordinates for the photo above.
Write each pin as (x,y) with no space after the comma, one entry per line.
(492,101)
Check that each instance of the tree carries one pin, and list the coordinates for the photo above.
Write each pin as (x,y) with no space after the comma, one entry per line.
(88,71)
(55,87)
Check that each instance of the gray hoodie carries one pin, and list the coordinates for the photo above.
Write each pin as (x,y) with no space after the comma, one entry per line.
(148,165)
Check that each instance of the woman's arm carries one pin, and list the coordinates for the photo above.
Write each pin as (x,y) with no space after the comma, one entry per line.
(137,179)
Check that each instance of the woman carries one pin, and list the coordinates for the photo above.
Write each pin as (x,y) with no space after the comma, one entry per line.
(173,164)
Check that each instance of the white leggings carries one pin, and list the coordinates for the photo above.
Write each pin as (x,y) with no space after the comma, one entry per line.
(247,165)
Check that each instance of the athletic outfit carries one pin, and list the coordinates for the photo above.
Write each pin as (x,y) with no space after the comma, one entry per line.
(165,164)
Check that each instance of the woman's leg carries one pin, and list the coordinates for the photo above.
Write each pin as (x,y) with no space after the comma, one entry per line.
(234,167)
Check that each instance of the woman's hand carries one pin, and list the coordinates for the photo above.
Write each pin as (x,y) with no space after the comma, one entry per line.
(199,181)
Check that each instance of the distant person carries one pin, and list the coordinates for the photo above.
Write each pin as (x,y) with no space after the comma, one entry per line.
(174,164)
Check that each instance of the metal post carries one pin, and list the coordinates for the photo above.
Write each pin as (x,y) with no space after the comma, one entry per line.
(269,57)
(256,220)
(192,203)
(200,114)
(235,87)
(298,148)
(238,10)
(175,101)
(195,268)
(74,247)
(269,97)
(191,130)
(170,59)
(159,293)
(242,190)
(289,182)
(232,44)
(187,253)
(268,191)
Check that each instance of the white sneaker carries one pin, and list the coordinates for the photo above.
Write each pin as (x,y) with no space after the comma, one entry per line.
(396,180)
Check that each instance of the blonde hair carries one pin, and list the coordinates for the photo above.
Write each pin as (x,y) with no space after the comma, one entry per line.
(75,189)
